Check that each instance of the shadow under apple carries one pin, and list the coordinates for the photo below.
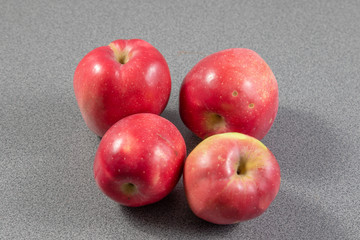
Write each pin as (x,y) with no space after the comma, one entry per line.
(171,217)
(309,150)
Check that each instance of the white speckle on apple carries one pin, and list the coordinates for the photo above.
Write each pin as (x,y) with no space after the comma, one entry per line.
(209,77)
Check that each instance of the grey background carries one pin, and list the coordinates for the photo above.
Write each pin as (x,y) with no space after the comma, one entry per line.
(46,181)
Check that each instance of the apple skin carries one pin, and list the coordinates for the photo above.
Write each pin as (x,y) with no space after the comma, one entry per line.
(123,78)
(230,177)
(233,90)
(140,159)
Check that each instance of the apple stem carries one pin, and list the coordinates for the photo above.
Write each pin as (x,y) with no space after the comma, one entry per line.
(121,56)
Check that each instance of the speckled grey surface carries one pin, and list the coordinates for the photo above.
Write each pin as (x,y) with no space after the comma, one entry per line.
(46,181)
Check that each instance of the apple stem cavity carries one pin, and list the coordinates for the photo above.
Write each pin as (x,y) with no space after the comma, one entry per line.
(124,58)
(215,121)
(128,188)
(241,169)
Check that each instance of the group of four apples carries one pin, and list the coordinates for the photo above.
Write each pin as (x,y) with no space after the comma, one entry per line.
(229,99)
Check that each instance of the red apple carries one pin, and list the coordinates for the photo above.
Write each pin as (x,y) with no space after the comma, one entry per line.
(139,159)
(230,177)
(123,78)
(233,90)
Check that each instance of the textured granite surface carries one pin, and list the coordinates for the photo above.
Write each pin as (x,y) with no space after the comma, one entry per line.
(46,181)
